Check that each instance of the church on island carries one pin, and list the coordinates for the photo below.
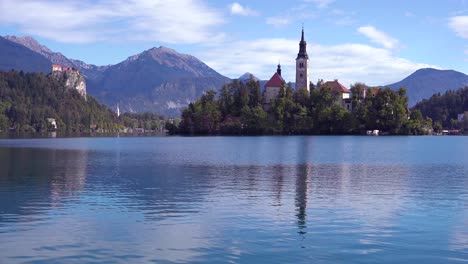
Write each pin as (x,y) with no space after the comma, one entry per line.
(273,87)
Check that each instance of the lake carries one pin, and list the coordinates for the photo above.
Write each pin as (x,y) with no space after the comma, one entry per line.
(349,199)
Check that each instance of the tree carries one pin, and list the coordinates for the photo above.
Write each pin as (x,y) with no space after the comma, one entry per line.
(238,110)
(4,122)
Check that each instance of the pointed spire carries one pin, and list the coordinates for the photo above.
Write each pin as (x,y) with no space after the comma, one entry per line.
(302,37)
(279,69)
(302,47)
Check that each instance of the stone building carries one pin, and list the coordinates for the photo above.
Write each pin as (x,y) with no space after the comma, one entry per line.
(344,94)
(273,88)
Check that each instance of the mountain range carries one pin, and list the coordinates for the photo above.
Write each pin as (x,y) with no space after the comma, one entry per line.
(17,56)
(157,80)
(423,83)
(164,81)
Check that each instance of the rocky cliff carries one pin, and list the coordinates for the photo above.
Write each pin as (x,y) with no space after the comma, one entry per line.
(72,79)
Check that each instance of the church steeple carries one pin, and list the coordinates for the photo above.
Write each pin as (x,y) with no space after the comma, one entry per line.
(302,47)
(302,65)
(279,69)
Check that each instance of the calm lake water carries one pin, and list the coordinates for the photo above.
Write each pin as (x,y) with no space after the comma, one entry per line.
(234,199)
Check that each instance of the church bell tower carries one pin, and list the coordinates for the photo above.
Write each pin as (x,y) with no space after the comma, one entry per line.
(302,66)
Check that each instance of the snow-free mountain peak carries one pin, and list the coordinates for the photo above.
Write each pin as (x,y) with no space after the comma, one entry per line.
(425,82)
(246,76)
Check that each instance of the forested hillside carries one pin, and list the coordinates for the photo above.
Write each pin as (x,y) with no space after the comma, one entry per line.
(445,108)
(27,100)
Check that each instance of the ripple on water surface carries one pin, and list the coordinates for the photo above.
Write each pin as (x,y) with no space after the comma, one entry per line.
(234,199)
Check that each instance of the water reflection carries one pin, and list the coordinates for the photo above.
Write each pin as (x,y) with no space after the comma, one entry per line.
(122,200)
(34,179)
(302,191)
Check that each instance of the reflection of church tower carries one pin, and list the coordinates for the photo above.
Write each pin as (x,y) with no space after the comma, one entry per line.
(302,66)
(301,197)
(303,171)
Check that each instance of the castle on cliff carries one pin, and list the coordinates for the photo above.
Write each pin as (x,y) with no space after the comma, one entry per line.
(276,82)
(59,68)
(72,78)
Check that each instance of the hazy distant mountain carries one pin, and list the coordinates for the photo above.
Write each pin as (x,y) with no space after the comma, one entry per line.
(159,80)
(425,82)
(89,70)
(246,76)
(18,57)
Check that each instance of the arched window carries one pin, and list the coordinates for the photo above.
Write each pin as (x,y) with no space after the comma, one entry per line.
(300,75)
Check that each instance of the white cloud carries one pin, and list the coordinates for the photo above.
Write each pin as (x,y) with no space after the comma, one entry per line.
(183,21)
(292,15)
(321,3)
(459,24)
(343,21)
(238,9)
(409,14)
(379,37)
(348,62)
(277,21)
(340,17)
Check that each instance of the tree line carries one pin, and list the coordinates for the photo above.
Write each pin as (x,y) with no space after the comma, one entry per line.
(445,108)
(27,100)
(239,109)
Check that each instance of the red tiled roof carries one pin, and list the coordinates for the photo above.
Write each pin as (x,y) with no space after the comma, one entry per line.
(337,87)
(56,65)
(275,81)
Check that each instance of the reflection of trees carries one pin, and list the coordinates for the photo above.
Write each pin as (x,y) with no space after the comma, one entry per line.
(39,176)
(69,172)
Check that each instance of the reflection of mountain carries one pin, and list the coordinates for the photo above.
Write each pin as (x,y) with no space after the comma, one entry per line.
(36,179)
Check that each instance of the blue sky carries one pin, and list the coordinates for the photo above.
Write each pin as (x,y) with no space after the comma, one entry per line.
(376,42)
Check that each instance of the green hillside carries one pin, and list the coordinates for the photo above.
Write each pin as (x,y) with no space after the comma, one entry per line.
(27,100)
